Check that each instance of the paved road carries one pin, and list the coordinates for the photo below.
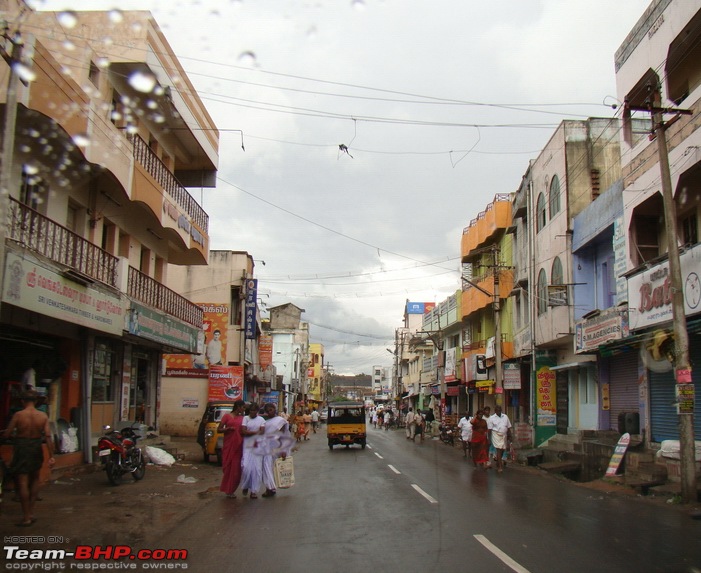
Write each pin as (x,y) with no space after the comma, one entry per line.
(398,506)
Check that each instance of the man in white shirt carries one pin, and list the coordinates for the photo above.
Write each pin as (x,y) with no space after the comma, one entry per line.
(315,419)
(410,425)
(465,428)
(499,427)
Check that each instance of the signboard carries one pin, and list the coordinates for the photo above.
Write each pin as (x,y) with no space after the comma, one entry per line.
(212,345)
(545,397)
(686,396)
(419,307)
(160,327)
(225,383)
(557,295)
(484,386)
(450,373)
(618,454)
(34,287)
(650,292)
(512,375)
(608,325)
(250,309)
(191,403)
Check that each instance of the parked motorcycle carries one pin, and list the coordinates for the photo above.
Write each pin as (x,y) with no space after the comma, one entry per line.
(447,434)
(119,454)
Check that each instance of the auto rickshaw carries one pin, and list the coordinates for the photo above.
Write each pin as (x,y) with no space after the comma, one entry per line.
(346,424)
(208,437)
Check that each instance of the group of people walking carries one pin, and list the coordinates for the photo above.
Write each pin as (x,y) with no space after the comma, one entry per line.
(484,436)
(252,443)
(415,423)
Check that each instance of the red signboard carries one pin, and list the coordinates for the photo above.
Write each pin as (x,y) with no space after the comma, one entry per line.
(225,383)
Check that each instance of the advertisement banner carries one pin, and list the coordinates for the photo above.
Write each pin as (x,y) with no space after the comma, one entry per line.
(160,327)
(545,400)
(250,310)
(608,325)
(450,370)
(512,376)
(225,383)
(33,287)
(211,345)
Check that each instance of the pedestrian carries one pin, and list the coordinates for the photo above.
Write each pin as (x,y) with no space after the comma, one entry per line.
(252,428)
(374,418)
(299,425)
(479,443)
(315,419)
(276,443)
(465,428)
(430,418)
(307,418)
(419,424)
(387,419)
(285,415)
(410,424)
(499,427)
(29,430)
(487,411)
(232,452)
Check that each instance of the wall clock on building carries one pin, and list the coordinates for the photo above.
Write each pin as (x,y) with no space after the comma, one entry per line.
(692,290)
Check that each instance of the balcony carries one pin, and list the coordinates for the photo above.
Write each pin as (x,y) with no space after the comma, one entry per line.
(165,178)
(156,295)
(32,230)
(483,229)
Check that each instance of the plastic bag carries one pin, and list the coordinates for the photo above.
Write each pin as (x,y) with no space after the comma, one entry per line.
(186,479)
(284,472)
(159,457)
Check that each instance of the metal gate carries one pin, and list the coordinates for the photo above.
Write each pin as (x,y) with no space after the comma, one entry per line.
(563,402)
(623,385)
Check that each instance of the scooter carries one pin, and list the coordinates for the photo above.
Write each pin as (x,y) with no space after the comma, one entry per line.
(447,435)
(119,454)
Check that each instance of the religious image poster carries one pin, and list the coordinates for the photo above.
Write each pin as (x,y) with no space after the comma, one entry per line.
(213,340)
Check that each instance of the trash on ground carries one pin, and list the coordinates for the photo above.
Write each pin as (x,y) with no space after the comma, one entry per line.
(186,479)
(159,457)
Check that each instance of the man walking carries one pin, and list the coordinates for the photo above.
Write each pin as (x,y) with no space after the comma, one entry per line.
(315,419)
(499,427)
(29,429)
(410,425)
(465,428)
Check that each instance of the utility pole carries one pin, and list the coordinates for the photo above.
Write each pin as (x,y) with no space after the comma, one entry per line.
(498,383)
(682,366)
(8,137)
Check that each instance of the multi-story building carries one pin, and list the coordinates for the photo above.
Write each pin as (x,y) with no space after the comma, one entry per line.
(659,66)
(412,350)
(109,132)
(579,160)
(224,290)
(315,375)
(486,249)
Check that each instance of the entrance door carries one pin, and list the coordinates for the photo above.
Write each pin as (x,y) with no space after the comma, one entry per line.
(562,392)
(139,402)
(588,403)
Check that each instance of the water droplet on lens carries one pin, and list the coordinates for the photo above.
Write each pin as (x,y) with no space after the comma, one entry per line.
(116,16)
(25,73)
(81,140)
(102,63)
(247,59)
(142,81)
(68,45)
(30,169)
(358,5)
(67,18)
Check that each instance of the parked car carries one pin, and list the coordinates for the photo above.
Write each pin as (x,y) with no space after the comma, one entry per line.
(324,416)
(208,437)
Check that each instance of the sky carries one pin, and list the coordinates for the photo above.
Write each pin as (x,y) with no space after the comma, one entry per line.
(374,132)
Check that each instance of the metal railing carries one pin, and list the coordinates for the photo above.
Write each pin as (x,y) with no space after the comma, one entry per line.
(149,291)
(165,178)
(33,230)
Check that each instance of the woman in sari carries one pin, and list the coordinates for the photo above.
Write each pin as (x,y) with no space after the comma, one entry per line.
(301,429)
(230,426)
(479,442)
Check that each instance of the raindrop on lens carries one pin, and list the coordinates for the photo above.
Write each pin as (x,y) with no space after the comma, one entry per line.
(116,16)
(68,18)
(358,5)
(31,169)
(142,82)
(24,72)
(81,140)
(247,59)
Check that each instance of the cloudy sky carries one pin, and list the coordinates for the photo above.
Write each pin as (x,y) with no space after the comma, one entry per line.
(374,131)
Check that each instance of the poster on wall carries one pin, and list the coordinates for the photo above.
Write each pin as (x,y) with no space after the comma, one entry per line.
(225,383)
(545,401)
(212,345)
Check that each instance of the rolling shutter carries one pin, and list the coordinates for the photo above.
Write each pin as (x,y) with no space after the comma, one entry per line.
(623,385)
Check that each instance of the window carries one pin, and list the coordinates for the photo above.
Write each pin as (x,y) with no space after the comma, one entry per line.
(102,384)
(542,292)
(690,234)
(556,275)
(94,74)
(554,196)
(540,213)
(608,283)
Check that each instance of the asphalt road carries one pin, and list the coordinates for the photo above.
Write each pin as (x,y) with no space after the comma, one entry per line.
(399,506)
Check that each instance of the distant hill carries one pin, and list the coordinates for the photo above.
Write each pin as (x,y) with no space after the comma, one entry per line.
(357,380)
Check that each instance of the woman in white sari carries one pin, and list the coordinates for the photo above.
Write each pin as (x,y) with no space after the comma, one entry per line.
(277,442)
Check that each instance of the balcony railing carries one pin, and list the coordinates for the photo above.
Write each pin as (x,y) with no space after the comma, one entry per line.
(165,178)
(31,229)
(149,291)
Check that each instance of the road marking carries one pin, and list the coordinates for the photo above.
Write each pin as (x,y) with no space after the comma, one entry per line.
(379,456)
(395,470)
(500,554)
(369,447)
(423,493)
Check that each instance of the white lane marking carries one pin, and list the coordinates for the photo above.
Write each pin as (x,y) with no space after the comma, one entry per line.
(369,446)
(500,554)
(395,470)
(423,493)
(379,456)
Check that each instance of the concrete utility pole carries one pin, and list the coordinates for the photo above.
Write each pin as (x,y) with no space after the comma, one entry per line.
(8,139)
(682,366)
(498,382)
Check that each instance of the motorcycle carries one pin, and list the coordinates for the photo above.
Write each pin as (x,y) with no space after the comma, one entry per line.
(447,435)
(119,454)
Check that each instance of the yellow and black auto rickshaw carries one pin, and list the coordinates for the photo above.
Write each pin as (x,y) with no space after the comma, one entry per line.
(346,424)
(208,435)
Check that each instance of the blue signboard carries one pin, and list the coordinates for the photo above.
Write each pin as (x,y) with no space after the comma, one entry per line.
(414,308)
(250,311)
